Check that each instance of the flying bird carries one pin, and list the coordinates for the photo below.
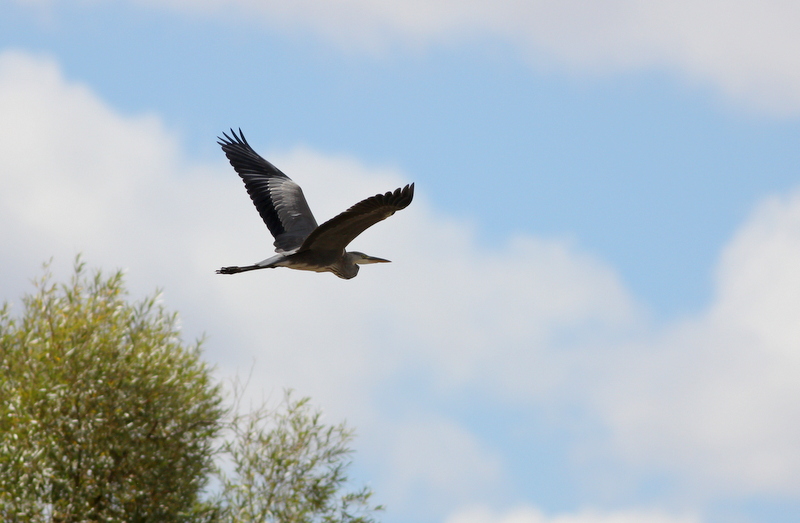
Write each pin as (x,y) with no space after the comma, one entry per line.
(299,241)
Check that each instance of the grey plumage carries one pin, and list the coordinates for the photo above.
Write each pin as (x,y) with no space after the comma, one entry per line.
(299,241)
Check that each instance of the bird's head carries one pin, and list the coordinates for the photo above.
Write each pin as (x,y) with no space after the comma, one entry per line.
(349,268)
(363,259)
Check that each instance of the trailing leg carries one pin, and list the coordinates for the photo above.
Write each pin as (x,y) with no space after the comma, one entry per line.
(234,269)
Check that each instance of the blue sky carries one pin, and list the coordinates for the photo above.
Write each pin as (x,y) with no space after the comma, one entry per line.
(592,308)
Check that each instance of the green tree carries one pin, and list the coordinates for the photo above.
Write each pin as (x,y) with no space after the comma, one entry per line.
(105,415)
(289,467)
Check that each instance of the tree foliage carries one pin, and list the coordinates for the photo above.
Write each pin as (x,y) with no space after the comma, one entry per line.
(104,414)
(289,467)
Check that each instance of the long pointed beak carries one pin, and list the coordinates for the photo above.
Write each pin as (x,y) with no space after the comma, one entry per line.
(373,259)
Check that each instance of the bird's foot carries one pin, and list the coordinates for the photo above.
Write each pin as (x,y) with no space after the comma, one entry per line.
(228,270)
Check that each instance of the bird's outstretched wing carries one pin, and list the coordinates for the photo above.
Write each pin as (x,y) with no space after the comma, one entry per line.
(279,200)
(339,231)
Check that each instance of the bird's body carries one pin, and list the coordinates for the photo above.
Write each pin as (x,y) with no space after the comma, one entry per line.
(299,241)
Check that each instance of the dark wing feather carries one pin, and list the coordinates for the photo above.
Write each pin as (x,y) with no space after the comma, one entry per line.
(279,200)
(338,232)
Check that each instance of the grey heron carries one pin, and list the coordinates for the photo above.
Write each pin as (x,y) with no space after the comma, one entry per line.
(299,242)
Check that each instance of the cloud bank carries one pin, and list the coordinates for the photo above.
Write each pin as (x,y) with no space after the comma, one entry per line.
(744,49)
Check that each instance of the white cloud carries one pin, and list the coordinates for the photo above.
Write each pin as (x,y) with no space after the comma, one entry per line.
(758,277)
(533,515)
(437,464)
(746,49)
(716,398)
